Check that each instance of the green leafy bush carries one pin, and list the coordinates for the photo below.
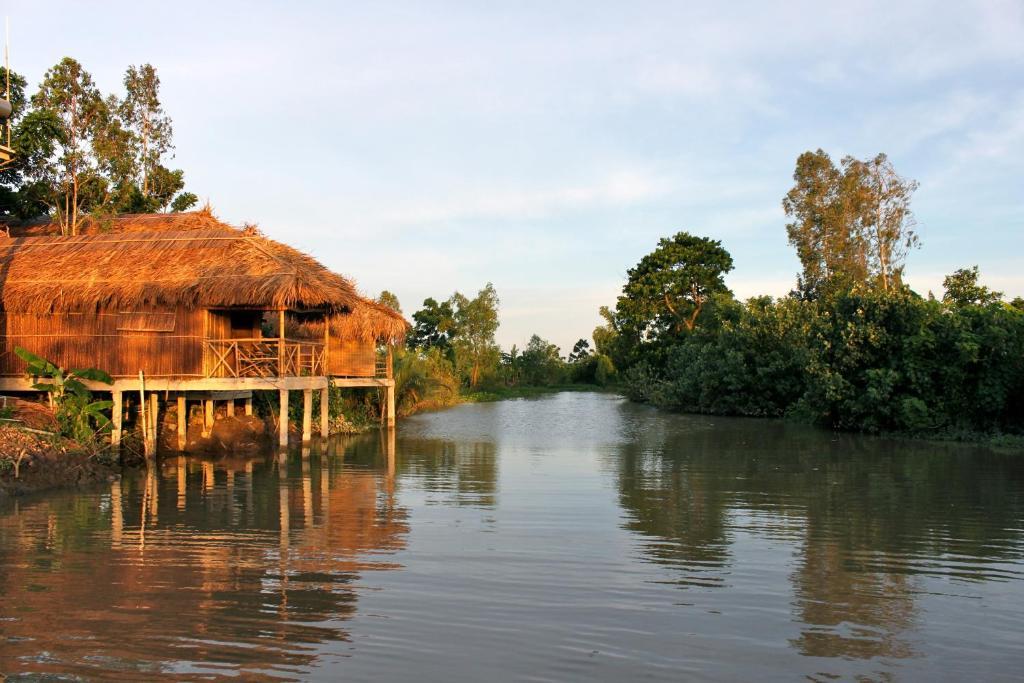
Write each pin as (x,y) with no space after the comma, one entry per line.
(79,416)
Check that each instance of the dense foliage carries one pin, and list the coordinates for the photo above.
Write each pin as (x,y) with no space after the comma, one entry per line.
(79,415)
(852,348)
(79,152)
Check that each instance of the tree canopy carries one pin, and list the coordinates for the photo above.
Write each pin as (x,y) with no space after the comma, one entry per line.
(668,288)
(79,152)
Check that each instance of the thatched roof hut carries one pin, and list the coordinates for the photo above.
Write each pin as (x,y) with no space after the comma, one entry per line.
(172,285)
(200,268)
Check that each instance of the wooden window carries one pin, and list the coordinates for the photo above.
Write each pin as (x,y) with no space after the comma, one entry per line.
(136,321)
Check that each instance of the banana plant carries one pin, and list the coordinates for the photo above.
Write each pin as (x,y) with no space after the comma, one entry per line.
(79,416)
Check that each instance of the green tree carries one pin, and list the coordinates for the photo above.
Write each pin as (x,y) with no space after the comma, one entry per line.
(433,326)
(668,289)
(69,98)
(542,363)
(476,321)
(153,186)
(962,289)
(885,221)
(388,299)
(143,114)
(580,351)
(851,224)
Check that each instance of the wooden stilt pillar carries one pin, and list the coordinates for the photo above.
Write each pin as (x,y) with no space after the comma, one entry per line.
(248,406)
(325,412)
(390,390)
(207,416)
(231,407)
(117,418)
(307,415)
(283,418)
(182,422)
(154,420)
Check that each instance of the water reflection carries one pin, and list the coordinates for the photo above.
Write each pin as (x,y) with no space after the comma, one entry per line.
(576,537)
(200,565)
(867,519)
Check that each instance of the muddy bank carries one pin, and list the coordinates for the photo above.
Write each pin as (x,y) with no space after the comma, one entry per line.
(31,462)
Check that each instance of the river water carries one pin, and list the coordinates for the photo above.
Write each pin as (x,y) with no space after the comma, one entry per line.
(569,538)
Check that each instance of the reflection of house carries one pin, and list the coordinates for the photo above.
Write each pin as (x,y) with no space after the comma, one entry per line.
(230,566)
(192,303)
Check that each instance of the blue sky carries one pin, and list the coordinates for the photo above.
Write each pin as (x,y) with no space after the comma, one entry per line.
(546,146)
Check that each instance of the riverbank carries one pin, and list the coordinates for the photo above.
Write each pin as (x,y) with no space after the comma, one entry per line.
(30,463)
(492,394)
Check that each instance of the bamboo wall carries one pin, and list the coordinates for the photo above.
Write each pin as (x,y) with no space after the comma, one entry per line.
(352,358)
(160,343)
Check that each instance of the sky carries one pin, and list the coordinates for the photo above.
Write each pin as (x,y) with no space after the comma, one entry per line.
(545,147)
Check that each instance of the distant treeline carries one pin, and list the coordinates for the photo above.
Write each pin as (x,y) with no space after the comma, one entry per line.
(851,347)
(451,354)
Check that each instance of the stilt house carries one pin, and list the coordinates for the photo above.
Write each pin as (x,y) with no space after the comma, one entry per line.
(185,303)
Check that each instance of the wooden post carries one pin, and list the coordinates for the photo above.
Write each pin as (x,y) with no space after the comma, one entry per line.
(154,419)
(280,344)
(248,406)
(327,345)
(231,407)
(207,416)
(390,389)
(143,422)
(117,416)
(282,418)
(307,415)
(182,422)
(325,412)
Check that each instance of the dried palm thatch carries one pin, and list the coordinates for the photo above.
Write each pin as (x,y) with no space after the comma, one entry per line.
(203,219)
(131,270)
(367,321)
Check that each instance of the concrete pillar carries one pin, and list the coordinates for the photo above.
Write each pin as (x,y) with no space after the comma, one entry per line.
(248,406)
(307,415)
(325,412)
(182,422)
(390,390)
(207,416)
(116,418)
(283,418)
(231,407)
(154,421)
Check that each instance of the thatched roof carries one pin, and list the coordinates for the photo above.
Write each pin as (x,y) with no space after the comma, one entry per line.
(131,269)
(203,219)
(367,321)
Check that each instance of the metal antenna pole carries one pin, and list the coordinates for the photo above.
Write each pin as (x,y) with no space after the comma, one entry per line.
(7,71)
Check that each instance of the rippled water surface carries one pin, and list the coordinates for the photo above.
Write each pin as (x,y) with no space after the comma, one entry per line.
(574,537)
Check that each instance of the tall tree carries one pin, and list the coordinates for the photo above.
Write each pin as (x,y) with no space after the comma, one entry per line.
(886,223)
(822,210)
(153,186)
(433,326)
(671,285)
(962,289)
(69,98)
(580,351)
(476,321)
(144,116)
(390,300)
(849,224)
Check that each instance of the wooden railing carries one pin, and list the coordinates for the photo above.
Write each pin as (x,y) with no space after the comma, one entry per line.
(384,365)
(264,358)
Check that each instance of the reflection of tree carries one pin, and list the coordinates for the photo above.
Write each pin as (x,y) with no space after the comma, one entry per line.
(468,470)
(239,563)
(873,515)
(680,509)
